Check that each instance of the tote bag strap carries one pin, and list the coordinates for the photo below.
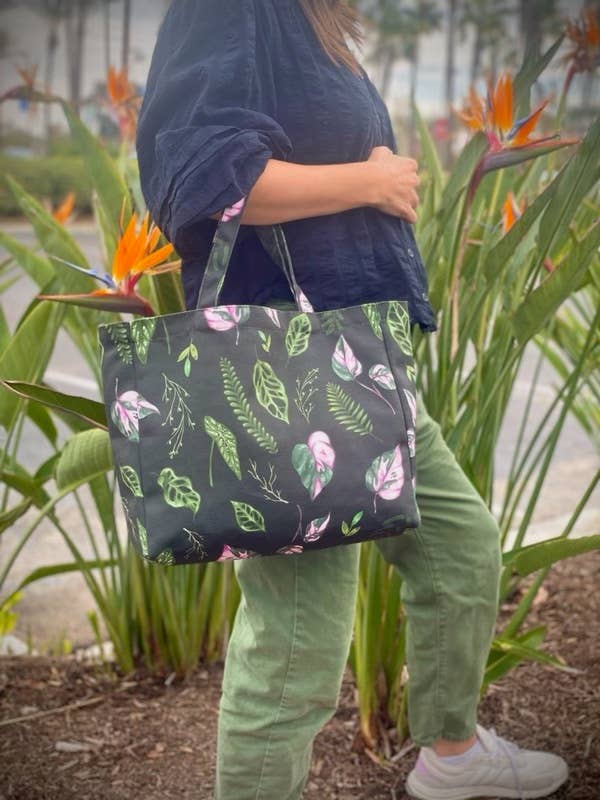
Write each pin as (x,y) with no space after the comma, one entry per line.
(273,240)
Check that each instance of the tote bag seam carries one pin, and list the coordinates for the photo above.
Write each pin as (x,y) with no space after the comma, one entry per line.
(138,447)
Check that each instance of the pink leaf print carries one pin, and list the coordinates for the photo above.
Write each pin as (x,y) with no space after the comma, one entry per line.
(385,476)
(344,362)
(228,554)
(222,318)
(290,550)
(315,529)
(233,211)
(273,316)
(320,446)
(410,433)
(304,303)
(412,403)
(314,462)
(382,376)
(126,412)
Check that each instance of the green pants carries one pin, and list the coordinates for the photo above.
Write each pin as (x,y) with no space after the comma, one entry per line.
(293,628)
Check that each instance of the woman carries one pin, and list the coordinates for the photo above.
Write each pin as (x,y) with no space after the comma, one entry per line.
(263,98)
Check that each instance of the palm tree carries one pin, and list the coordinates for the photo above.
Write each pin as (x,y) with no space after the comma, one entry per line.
(126,35)
(53,12)
(487,18)
(388,20)
(451,25)
(423,18)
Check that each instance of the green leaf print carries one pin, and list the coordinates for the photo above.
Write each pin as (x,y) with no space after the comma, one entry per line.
(236,397)
(143,538)
(270,391)
(178,491)
(372,313)
(131,480)
(226,442)
(298,334)
(399,325)
(119,336)
(165,557)
(348,412)
(247,517)
(142,331)
(332,322)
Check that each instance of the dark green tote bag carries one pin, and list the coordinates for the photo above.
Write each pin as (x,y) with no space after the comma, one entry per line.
(241,431)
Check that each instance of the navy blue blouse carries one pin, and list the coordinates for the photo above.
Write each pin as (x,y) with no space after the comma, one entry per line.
(232,84)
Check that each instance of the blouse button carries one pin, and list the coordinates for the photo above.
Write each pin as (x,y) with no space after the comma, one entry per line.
(410,253)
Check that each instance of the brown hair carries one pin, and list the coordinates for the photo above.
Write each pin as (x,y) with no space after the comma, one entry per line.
(332,21)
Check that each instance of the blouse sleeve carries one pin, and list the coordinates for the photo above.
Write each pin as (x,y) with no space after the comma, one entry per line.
(205,133)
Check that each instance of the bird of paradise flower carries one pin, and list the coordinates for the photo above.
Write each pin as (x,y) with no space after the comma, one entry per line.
(136,255)
(509,142)
(584,55)
(511,212)
(123,100)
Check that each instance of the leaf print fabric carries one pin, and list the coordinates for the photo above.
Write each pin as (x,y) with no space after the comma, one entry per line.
(247,517)
(127,411)
(296,340)
(270,391)
(246,431)
(345,364)
(226,442)
(314,529)
(382,376)
(385,476)
(314,462)
(178,490)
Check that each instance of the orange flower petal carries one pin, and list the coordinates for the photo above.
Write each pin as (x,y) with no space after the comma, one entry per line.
(521,136)
(503,103)
(153,258)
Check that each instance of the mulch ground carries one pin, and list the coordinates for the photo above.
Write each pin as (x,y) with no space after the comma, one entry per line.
(143,739)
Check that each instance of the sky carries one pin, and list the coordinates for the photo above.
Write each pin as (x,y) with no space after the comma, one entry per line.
(27,33)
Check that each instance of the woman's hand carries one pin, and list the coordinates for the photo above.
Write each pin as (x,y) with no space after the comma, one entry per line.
(395,179)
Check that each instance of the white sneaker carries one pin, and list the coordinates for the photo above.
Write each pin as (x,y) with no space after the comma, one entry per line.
(498,769)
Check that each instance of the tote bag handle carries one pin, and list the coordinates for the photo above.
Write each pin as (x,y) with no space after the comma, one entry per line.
(273,240)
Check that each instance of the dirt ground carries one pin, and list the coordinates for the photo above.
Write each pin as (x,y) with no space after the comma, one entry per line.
(109,738)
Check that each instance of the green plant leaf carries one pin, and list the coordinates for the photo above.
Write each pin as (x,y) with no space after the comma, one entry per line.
(178,490)
(90,411)
(270,391)
(526,560)
(538,306)
(27,354)
(11,515)
(131,480)
(39,269)
(399,324)
(234,393)
(61,569)
(298,334)
(248,518)
(85,455)
(348,412)
(113,194)
(53,238)
(372,313)
(226,442)
(576,179)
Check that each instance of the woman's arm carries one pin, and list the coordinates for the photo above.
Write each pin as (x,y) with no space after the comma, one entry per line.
(285,191)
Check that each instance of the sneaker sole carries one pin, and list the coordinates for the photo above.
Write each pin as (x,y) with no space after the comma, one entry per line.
(415,789)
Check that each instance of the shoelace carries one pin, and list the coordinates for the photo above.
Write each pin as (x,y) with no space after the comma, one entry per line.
(508,748)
